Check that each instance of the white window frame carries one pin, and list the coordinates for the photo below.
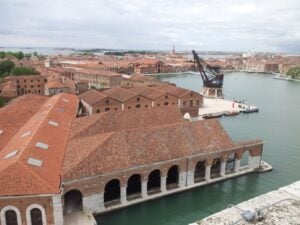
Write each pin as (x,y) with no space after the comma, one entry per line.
(5,209)
(28,215)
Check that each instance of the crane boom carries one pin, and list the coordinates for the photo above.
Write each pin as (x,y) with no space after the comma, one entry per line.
(210,77)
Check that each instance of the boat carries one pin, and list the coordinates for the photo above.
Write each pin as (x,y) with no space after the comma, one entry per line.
(231,113)
(248,110)
(212,115)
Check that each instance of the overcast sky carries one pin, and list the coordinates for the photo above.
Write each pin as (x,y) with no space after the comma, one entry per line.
(226,25)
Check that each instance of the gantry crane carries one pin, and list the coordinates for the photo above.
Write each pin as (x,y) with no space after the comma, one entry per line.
(211,77)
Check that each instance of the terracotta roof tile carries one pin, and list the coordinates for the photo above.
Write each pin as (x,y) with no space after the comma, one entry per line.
(120,94)
(122,120)
(142,146)
(92,96)
(18,111)
(32,178)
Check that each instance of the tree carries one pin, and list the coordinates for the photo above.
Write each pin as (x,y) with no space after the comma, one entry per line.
(24,71)
(27,55)
(294,72)
(19,55)
(5,67)
(2,55)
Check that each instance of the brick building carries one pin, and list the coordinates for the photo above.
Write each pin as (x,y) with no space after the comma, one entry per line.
(142,97)
(28,84)
(53,164)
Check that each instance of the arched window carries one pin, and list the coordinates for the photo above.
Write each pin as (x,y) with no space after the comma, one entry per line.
(199,174)
(112,192)
(36,215)
(10,215)
(134,187)
(138,106)
(166,103)
(173,177)
(245,159)
(153,185)
(72,201)
(216,168)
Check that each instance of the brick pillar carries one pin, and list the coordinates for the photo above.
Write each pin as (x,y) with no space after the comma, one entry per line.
(123,195)
(144,189)
(207,172)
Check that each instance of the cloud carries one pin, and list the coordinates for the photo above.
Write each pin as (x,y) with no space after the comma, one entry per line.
(231,25)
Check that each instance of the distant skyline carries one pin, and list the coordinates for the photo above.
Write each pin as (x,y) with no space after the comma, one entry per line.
(214,25)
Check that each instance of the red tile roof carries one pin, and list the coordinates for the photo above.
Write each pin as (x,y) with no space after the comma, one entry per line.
(8,86)
(42,140)
(102,153)
(16,113)
(122,120)
(92,96)
(120,94)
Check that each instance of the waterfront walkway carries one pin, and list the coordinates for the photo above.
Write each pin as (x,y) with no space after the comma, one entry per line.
(280,207)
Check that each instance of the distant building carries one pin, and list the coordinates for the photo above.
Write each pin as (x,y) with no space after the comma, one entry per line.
(29,84)
(140,97)
(8,90)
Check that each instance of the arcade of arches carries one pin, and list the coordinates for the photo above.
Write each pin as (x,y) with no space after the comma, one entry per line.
(137,186)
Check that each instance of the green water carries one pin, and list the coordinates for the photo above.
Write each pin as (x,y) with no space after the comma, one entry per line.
(278,123)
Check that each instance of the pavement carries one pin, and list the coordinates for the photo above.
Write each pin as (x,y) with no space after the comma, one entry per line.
(79,218)
(280,207)
(221,105)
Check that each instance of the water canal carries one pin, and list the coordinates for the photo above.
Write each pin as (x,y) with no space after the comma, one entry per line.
(278,123)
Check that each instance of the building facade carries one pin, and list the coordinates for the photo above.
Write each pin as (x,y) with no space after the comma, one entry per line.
(53,164)
(142,97)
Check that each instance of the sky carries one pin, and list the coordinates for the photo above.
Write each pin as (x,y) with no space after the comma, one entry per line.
(210,25)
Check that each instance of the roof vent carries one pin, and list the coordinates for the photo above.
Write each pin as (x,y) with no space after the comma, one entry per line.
(11,154)
(1,132)
(42,145)
(53,123)
(35,162)
(65,100)
(26,134)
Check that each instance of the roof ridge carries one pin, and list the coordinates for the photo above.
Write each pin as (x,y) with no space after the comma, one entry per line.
(36,175)
(108,136)
(40,122)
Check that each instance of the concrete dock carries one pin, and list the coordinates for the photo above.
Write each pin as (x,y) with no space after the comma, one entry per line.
(212,106)
(280,207)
